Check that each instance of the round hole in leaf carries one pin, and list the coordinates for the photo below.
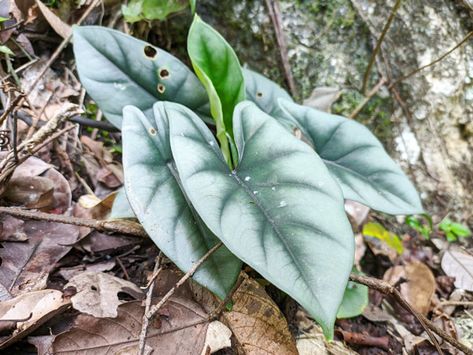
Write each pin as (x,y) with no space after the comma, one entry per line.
(259,94)
(152,131)
(163,73)
(161,88)
(150,52)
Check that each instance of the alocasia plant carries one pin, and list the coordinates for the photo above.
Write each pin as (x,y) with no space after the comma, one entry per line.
(272,185)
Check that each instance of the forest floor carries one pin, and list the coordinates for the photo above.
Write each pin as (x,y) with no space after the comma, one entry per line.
(72,281)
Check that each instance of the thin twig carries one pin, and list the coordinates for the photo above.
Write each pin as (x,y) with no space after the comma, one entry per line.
(388,23)
(389,290)
(368,97)
(149,297)
(275,15)
(415,71)
(150,314)
(115,226)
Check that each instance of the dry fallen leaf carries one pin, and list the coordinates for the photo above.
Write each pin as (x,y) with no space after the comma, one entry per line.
(31,192)
(61,28)
(322,98)
(180,328)
(26,266)
(256,321)
(218,337)
(459,265)
(29,311)
(419,287)
(356,211)
(37,184)
(97,293)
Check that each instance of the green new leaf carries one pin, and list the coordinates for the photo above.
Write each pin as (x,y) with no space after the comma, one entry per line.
(356,158)
(218,68)
(279,211)
(119,70)
(155,195)
(264,92)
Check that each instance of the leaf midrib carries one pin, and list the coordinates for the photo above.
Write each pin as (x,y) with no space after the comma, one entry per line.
(280,235)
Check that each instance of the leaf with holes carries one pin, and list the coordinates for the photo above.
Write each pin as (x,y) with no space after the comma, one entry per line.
(356,159)
(119,70)
(280,211)
(154,191)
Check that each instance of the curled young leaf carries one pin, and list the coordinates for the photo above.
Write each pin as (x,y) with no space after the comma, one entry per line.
(356,159)
(280,210)
(154,191)
(119,70)
(218,68)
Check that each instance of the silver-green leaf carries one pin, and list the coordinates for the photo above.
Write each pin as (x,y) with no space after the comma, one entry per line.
(280,210)
(264,92)
(356,158)
(119,70)
(153,189)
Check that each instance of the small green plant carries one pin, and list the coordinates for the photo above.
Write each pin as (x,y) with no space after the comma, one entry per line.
(422,224)
(270,185)
(453,230)
(137,10)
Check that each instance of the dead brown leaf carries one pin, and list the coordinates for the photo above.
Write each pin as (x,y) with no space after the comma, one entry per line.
(26,312)
(458,264)
(419,287)
(61,28)
(32,192)
(26,266)
(36,184)
(97,293)
(180,328)
(256,321)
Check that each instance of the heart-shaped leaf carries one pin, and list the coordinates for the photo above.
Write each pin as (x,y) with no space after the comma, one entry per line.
(280,210)
(264,92)
(119,70)
(218,68)
(356,158)
(153,189)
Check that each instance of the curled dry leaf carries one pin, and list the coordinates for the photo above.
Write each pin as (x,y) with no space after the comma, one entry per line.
(61,28)
(256,321)
(31,192)
(459,265)
(26,312)
(218,337)
(322,98)
(97,293)
(419,287)
(36,184)
(180,328)
(26,266)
